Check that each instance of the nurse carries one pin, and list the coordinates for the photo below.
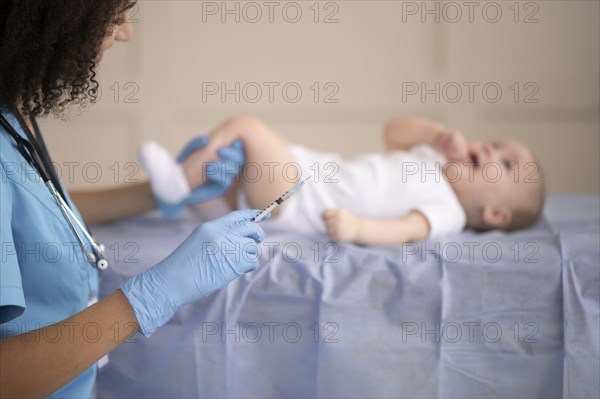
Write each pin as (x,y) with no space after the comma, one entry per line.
(52,328)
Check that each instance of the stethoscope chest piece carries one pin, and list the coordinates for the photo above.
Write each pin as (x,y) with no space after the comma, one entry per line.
(102,264)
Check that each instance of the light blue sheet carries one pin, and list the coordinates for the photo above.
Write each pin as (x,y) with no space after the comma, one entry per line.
(388,319)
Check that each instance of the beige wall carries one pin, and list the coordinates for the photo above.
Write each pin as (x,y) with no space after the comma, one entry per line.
(372,55)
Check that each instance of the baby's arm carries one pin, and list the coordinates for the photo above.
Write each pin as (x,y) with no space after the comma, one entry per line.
(344,226)
(404,133)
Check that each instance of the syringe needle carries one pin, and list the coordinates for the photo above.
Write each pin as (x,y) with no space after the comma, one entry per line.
(259,218)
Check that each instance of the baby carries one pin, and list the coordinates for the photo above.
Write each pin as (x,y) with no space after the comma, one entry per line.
(429,183)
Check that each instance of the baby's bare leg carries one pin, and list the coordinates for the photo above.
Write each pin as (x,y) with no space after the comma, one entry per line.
(222,136)
(267,155)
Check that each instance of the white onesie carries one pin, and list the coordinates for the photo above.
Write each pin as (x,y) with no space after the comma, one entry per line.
(377,186)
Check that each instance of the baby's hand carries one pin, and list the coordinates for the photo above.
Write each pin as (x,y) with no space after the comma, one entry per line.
(341,224)
(453,145)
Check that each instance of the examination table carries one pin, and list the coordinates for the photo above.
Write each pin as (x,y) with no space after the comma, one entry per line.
(474,315)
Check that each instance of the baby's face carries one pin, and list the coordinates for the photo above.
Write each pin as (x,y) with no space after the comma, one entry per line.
(497,174)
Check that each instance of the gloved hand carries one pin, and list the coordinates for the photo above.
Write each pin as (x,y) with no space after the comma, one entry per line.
(216,253)
(220,175)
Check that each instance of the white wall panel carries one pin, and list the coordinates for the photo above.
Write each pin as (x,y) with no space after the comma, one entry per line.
(370,55)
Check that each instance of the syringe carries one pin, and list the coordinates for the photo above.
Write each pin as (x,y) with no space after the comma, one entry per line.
(260,217)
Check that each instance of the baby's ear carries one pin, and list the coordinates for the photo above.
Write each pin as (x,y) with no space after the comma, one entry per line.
(496,216)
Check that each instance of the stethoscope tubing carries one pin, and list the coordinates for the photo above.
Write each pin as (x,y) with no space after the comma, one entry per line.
(29,152)
(97,260)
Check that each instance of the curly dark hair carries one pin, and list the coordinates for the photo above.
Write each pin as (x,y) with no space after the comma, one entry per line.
(48,50)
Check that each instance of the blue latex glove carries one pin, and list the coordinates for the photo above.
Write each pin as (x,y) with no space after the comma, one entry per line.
(220,175)
(216,253)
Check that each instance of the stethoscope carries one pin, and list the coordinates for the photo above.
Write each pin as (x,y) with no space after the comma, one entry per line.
(30,152)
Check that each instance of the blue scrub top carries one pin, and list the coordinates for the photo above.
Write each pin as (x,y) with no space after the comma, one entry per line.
(44,275)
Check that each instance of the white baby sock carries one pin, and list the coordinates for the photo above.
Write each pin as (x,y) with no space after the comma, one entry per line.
(168,181)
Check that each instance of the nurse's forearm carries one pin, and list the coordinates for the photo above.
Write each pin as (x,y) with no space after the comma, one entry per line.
(101,206)
(38,363)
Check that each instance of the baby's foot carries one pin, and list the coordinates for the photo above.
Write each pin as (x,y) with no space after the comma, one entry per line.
(167,177)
